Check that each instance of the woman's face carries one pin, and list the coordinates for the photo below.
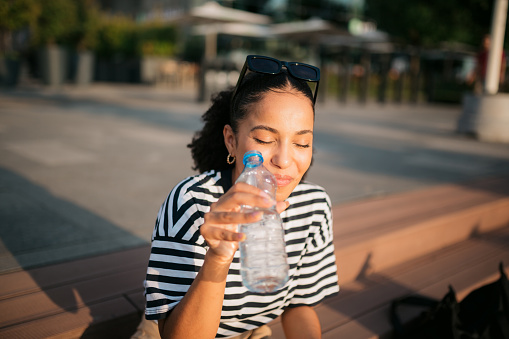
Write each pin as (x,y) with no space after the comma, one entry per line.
(280,126)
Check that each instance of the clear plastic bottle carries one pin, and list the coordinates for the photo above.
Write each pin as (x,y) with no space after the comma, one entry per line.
(263,259)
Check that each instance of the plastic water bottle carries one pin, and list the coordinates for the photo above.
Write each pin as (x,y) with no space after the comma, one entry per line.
(263,259)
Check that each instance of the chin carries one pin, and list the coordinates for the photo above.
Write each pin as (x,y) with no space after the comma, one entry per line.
(284,192)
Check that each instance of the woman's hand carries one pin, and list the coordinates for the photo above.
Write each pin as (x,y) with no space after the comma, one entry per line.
(190,318)
(220,226)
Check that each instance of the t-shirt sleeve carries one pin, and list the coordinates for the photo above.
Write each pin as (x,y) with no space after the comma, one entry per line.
(177,252)
(317,274)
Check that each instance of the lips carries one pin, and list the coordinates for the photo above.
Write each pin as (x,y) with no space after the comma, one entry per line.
(283,180)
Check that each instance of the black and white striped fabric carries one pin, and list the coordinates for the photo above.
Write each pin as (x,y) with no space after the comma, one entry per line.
(178,251)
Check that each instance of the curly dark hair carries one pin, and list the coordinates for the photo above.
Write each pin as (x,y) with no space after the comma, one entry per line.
(207,147)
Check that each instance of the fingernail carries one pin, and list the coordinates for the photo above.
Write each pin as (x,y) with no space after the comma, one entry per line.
(256,214)
(266,196)
(241,237)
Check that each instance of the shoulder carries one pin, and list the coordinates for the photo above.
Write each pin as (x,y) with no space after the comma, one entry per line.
(206,185)
(309,216)
(309,199)
(307,192)
(182,212)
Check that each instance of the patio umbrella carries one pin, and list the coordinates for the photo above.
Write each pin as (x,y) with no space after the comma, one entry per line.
(211,19)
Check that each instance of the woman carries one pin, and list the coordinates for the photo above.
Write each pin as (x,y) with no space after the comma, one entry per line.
(193,285)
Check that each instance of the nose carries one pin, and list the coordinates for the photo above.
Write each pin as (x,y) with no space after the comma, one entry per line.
(282,157)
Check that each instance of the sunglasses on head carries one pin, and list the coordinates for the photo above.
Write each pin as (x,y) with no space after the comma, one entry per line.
(268,65)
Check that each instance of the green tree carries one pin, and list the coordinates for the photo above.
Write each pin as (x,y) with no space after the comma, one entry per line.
(88,20)
(56,22)
(429,22)
(15,15)
(117,37)
(157,39)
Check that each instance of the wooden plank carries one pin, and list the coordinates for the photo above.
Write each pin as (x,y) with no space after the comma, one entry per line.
(47,293)
(465,252)
(37,279)
(422,274)
(407,278)
(383,250)
(69,297)
(360,216)
(450,192)
(137,298)
(394,217)
(376,324)
(72,324)
(478,273)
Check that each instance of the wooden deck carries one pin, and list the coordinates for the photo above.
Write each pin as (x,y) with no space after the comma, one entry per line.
(361,310)
(73,299)
(416,242)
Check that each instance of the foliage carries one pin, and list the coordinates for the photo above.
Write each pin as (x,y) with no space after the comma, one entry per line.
(116,37)
(72,22)
(87,25)
(157,39)
(55,23)
(80,24)
(429,22)
(119,36)
(17,14)
(157,48)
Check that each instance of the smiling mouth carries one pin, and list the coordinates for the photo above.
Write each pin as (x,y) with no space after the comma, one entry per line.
(283,180)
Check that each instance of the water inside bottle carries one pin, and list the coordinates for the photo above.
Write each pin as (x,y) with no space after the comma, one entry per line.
(264,266)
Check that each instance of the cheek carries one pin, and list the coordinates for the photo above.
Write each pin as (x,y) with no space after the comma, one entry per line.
(303,160)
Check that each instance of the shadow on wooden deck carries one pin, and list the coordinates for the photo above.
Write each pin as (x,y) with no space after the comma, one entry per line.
(85,285)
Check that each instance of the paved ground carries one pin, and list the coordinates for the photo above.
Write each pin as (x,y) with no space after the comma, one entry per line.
(83,171)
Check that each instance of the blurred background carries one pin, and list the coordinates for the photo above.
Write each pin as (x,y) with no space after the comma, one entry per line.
(98,100)
(368,50)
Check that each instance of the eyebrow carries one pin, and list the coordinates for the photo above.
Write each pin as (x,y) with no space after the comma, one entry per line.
(272,130)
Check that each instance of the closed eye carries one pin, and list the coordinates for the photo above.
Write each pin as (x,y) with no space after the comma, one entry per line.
(302,146)
(262,142)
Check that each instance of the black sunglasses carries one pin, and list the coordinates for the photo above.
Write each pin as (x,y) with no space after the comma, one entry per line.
(268,65)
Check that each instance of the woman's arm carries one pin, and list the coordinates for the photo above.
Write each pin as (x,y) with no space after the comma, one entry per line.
(301,323)
(198,313)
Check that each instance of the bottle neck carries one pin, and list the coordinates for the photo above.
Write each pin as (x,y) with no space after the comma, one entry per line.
(252,159)
(253,163)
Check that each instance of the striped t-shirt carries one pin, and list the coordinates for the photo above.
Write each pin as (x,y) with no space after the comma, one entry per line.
(178,251)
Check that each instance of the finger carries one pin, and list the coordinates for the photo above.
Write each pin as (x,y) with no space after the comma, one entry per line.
(229,218)
(243,187)
(246,188)
(219,233)
(281,206)
(234,200)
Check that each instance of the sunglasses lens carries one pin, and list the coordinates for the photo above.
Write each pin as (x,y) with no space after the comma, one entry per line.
(305,72)
(265,65)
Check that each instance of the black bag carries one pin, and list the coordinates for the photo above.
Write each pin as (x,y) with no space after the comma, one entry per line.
(482,314)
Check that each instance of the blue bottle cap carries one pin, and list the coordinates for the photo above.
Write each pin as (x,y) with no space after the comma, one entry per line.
(250,154)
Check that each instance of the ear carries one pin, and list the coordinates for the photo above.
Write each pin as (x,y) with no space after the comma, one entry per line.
(229,139)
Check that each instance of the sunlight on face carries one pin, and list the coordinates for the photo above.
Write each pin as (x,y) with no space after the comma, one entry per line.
(280,126)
